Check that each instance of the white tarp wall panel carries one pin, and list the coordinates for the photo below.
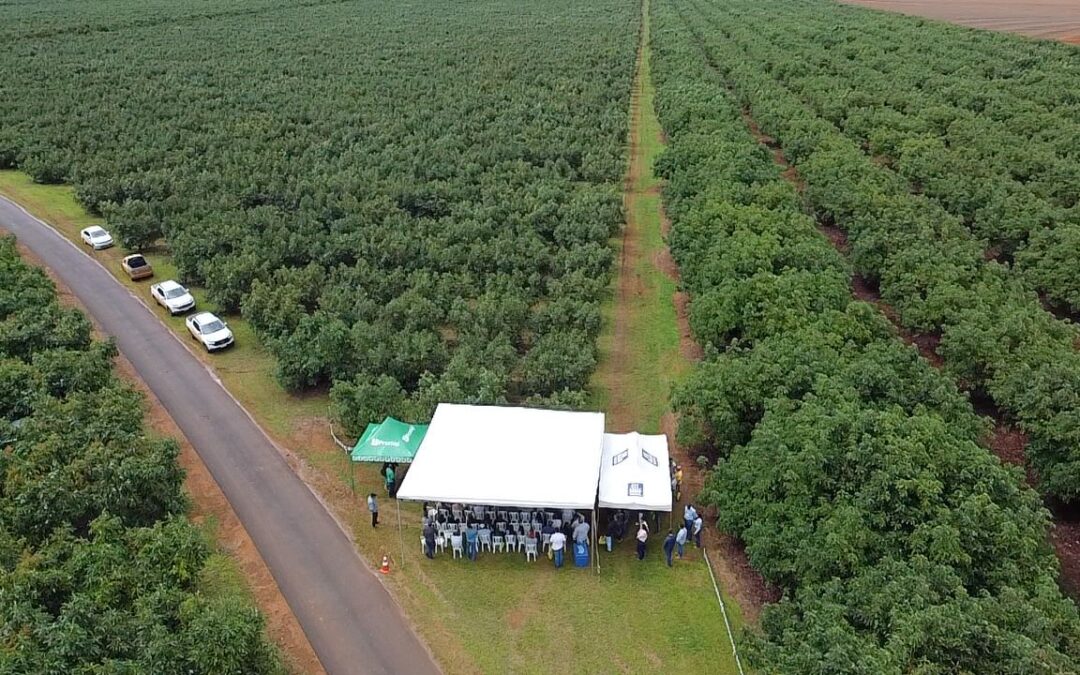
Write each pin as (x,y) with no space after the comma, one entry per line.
(634,473)
(507,456)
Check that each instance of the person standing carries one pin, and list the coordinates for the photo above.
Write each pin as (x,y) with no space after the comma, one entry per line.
(698,524)
(612,532)
(429,540)
(669,546)
(373,506)
(642,537)
(680,541)
(558,546)
(391,478)
(689,516)
(581,533)
(678,482)
(470,542)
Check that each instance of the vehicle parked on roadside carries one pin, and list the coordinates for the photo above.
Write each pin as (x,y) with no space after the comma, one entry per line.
(137,267)
(211,331)
(96,237)
(173,297)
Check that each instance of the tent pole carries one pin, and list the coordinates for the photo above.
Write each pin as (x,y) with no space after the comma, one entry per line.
(401,538)
(352,474)
(595,548)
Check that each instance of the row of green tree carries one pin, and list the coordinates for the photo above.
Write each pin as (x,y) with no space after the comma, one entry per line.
(995,336)
(409,192)
(960,120)
(100,571)
(849,466)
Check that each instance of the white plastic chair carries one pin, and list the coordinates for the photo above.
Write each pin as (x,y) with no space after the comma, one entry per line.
(515,517)
(457,549)
(498,544)
(423,546)
(530,549)
(556,523)
(511,542)
(485,539)
(545,540)
(440,543)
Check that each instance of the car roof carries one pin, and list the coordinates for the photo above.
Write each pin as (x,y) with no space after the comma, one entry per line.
(133,256)
(204,316)
(94,229)
(170,284)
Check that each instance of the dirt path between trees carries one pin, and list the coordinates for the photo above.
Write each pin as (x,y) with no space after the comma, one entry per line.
(209,504)
(648,299)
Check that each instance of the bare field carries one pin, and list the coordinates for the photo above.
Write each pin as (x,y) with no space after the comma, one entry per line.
(1048,19)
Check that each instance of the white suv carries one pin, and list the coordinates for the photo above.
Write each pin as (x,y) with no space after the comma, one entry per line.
(96,237)
(209,330)
(173,297)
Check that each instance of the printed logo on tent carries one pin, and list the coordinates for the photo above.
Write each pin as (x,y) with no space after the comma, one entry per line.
(408,433)
(635,489)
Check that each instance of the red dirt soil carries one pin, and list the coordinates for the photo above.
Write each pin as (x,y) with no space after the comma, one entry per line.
(209,503)
(1047,19)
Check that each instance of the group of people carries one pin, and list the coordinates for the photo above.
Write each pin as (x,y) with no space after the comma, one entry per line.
(691,527)
(676,479)
(675,541)
(480,521)
(389,473)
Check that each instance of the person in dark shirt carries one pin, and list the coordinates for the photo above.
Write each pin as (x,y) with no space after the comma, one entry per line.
(429,540)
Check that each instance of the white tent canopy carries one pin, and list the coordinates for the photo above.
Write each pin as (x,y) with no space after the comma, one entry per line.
(634,473)
(506,456)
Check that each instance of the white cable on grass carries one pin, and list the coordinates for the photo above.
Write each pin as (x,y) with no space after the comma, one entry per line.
(723,610)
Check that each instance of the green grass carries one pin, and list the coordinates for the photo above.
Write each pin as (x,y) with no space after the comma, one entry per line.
(499,614)
(638,386)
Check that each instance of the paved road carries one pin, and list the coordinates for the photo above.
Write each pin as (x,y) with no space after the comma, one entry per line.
(349,618)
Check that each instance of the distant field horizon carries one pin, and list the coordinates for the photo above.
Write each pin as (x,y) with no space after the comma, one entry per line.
(1047,19)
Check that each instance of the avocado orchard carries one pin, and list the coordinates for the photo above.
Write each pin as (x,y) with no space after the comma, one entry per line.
(996,338)
(99,568)
(414,191)
(849,466)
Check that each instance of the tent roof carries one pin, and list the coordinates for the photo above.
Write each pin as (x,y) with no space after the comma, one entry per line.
(390,441)
(507,456)
(634,473)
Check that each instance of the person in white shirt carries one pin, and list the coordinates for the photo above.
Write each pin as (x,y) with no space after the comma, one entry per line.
(558,544)
(698,523)
(642,536)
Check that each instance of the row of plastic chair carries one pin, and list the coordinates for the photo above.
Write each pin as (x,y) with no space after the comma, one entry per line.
(500,544)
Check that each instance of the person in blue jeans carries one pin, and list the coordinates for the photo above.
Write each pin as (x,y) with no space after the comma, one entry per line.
(680,541)
(558,547)
(470,543)
(669,546)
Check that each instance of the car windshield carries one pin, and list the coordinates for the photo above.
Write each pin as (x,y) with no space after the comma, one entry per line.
(136,261)
(175,292)
(96,232)
(212,326)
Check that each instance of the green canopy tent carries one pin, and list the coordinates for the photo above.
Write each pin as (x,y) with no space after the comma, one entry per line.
(390,441)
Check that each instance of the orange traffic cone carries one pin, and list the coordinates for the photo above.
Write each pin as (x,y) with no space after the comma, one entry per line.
(385,569)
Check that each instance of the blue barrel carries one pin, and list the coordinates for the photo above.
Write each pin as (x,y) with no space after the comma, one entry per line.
(581,555)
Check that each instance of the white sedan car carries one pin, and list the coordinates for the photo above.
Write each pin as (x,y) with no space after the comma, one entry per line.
(96,237)
(172,296)
(209,330)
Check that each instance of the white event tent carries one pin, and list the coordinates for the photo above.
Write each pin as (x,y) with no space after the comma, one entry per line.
(506,456)
(634,473)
